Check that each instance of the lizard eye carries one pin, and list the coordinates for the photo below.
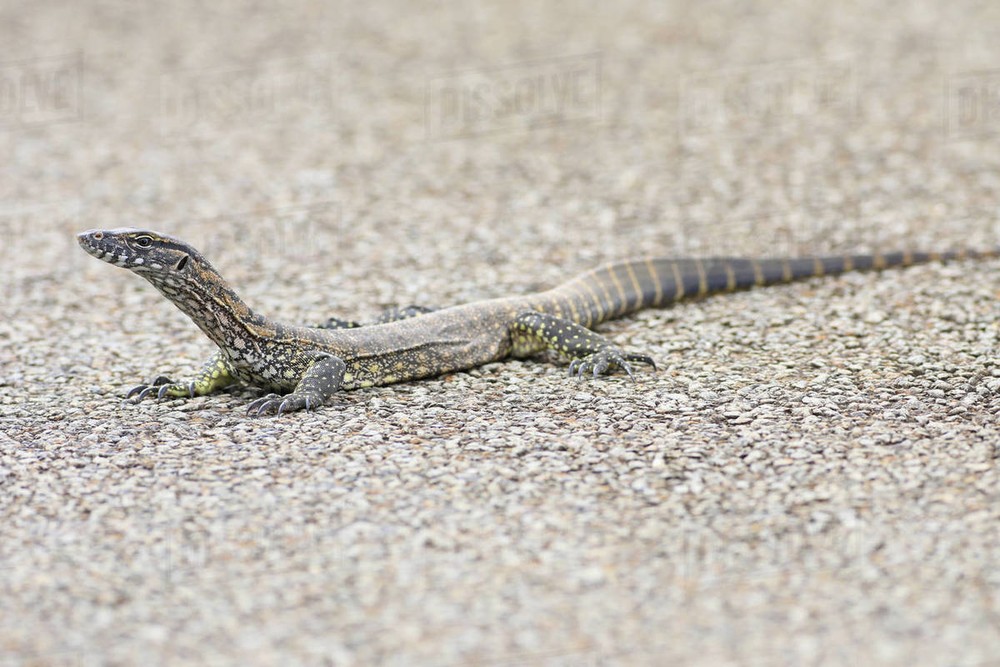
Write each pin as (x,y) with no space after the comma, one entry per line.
(144,241)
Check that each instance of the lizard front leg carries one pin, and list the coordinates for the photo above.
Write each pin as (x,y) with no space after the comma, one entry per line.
(533,332)
(216,373)
(320,381)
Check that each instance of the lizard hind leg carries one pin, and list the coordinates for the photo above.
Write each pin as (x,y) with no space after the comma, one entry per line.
(337,323)
(396,314)
(391,315)
(589,351)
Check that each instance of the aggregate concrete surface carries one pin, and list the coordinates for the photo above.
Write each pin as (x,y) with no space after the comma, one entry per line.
(810,478)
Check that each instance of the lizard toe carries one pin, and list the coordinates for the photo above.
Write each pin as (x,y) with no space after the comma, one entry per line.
(160,385)
(603,361)
(642,359)
(263,404)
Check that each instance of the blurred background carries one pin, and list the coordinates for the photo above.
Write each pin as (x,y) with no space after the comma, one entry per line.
(337,133)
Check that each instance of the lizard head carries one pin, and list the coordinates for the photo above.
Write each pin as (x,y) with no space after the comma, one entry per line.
(177,270)
(150,254)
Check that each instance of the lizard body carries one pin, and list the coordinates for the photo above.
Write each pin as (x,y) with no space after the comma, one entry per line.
(304,366)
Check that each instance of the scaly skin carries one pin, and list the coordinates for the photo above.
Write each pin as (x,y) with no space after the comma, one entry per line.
(303,367)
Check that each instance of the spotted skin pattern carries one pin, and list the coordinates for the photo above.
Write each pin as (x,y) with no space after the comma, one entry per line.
(588,351)
(303,367)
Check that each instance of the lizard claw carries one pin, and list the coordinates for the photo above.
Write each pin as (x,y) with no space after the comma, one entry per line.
(599,363)
(163,386)
(141,391)
(263,404)
(642,358)
(280,405)
(146,391)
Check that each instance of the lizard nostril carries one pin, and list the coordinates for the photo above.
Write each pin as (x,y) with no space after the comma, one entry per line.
(98,236)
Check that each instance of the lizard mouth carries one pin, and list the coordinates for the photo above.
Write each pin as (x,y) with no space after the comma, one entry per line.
(105,247)
(88,241)
(93,242)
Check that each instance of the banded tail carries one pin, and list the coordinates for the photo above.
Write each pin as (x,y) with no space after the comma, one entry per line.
(618,289)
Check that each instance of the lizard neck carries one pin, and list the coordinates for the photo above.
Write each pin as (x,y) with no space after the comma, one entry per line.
(204,296)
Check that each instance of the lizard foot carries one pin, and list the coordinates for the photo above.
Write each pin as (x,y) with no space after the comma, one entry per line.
(163,386)
(599,363)
(287,403)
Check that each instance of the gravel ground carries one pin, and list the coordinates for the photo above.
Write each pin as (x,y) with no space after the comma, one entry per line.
(810,478)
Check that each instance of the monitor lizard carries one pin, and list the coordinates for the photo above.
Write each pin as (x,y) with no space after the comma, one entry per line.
(302,366)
